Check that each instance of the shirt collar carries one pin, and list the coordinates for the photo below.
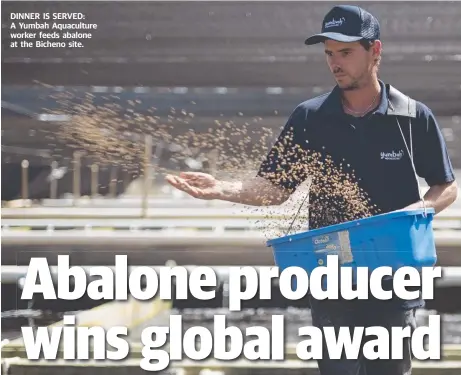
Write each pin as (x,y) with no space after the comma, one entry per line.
(384,103)
(334,105)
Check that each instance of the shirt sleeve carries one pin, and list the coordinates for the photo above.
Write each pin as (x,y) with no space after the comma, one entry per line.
(433,163)
(282,165)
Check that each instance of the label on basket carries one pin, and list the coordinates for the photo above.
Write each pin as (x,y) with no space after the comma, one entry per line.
(331,244)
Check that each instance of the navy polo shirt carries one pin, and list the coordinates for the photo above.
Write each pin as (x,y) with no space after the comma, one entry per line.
(369,148)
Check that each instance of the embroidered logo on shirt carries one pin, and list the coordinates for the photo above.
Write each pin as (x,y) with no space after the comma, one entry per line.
(392,155)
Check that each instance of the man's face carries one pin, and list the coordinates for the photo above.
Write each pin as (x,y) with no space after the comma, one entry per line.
(350,63)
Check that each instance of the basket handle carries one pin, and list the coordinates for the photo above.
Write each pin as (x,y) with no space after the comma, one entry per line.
(410,153)
(297,213)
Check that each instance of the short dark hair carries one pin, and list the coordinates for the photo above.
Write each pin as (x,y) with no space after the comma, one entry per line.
(367,43)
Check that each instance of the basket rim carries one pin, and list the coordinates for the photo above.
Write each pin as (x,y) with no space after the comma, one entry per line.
(350,224)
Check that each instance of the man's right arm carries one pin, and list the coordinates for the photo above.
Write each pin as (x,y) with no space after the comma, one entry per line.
(256,191)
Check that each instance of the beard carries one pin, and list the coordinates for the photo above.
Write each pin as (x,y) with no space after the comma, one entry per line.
(353,83)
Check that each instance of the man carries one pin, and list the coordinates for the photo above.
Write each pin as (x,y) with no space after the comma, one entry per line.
(385,139)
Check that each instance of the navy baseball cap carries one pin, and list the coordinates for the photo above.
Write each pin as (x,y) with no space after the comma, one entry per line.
(347,23)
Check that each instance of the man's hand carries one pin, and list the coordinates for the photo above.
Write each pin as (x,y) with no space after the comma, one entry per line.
(256,191)
(199,185)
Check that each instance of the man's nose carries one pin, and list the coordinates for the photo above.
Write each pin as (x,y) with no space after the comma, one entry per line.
(336,69)
(334,64)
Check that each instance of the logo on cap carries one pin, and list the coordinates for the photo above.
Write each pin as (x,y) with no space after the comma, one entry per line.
(335,23)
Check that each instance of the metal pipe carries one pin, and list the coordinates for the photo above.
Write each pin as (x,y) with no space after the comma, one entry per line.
(25,179)
(113,182)
(126,179)
(213,163)
(77,175)
(156,160)
(168,237)
(201,224)
(94,180)
(54,181)
(448,219)
(147,174)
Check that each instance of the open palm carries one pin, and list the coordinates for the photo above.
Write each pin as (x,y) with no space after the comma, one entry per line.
(197,184)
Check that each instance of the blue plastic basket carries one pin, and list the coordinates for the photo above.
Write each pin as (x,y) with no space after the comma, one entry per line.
(396,239)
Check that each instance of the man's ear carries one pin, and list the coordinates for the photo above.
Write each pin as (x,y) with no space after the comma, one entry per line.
(377,48)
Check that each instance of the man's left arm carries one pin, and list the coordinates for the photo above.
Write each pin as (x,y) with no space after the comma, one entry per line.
(438,197)
(433,164)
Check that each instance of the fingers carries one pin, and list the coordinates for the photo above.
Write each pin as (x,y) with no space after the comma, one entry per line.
(197,179)
(178,182)
(181,184)
(193,175)
(175,181)
(171,179)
